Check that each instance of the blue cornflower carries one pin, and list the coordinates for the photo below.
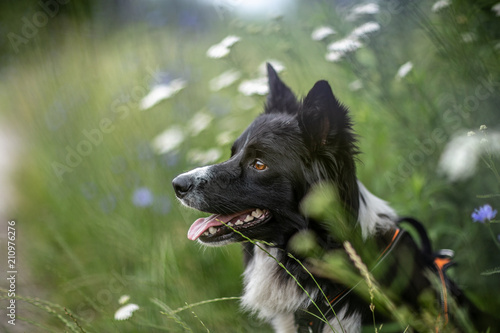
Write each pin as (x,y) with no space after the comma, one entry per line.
(142,197)
(483,213)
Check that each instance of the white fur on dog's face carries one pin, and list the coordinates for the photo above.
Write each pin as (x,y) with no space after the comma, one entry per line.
(193,199)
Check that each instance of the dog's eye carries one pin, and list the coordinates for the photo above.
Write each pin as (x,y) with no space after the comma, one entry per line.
(259,165)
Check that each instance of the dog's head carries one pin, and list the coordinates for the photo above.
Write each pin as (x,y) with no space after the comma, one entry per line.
(257,192)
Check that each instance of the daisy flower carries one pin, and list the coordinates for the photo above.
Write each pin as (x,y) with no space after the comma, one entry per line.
(222,49)
(441,4)
(404,70)
(322,32)
(254,87)
(161,92)
(126,311)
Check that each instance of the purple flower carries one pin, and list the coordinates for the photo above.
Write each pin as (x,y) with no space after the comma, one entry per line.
(483,213)
(142,197)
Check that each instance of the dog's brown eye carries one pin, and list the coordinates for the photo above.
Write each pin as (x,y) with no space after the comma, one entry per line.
(259,165)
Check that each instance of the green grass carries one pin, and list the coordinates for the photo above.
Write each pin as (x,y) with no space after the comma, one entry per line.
(82,241)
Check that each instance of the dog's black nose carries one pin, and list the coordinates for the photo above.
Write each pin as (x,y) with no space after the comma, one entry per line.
(182,185)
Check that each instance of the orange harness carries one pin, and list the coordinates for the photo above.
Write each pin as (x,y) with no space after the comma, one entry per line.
(441,264)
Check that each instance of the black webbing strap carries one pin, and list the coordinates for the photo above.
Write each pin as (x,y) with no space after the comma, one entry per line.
(438,262)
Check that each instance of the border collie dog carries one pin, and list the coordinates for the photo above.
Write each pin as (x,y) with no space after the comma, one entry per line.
(257,193)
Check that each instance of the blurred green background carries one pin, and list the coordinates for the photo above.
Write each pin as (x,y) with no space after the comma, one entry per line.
(86,170)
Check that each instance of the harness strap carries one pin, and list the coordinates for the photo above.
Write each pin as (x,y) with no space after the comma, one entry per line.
(440,261)
(389,246)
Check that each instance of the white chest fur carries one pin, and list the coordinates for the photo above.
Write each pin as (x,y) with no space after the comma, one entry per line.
(266,292)
(276,299)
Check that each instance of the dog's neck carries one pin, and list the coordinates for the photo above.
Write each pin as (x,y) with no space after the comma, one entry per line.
(270,291)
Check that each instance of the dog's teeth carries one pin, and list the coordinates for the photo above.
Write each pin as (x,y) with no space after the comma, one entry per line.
(248,218)
(206,233)
(257,213)
(239,222)
(212,230)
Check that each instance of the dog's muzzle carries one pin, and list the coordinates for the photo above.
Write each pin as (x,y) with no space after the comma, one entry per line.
(182,185)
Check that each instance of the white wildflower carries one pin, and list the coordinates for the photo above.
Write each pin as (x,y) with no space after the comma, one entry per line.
(441,4)
(367,8)
(340,48)
(483,128)
(469,37)
(200,157)
(356,85)
(334,56)
(224,80)
(365,29)
(199,122)
(168,140)
(461,155)
(161,92)
(494,139)
(218,51)
(123,299)
(345,45)
(277,65)
(223,48)
(126,311)
(404,70)
(254,87)
(230,41)
(364,9)
(322,32)
(496,9)
(471,133)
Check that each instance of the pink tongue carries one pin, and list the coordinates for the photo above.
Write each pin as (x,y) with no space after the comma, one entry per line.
(203,224)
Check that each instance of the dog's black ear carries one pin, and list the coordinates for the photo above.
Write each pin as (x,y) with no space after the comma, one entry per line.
(280,98)
(322,116)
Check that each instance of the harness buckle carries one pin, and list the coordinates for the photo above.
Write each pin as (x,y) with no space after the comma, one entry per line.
(445,253)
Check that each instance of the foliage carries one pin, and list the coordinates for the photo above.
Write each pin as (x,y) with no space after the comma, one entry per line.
(96,214)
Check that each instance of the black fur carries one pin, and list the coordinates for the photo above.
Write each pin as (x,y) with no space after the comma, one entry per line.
(274,164)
